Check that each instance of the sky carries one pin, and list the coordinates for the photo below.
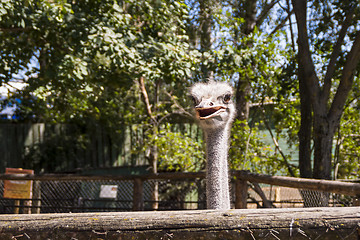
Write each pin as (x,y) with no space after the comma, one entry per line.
(5,90)
(15,85)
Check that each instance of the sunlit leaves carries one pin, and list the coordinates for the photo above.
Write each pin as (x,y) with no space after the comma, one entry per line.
(248,151)
(178,151)
(93,43)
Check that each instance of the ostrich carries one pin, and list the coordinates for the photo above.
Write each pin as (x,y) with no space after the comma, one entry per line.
(215,112)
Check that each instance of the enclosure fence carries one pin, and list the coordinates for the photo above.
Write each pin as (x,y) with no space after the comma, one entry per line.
(171,191)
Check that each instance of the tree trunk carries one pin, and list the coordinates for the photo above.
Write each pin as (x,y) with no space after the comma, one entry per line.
(205,34)
(247,11)
(304,133)
(307,77)
(249,16)
(326,120)
(153,155)
(323,136)
(155,192)
(242,103)
(310,102)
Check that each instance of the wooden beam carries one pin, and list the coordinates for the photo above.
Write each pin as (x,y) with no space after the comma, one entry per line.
(296,223)
(241,194)
(138,195)
(347,188)
(75,177)
(340,187)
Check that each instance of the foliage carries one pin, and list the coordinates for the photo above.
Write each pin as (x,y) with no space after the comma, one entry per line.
(347,148)
(81,60)
(249,152)
(87,54)
(178,151)
(257,58)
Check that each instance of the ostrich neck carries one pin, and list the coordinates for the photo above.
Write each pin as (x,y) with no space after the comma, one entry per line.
(217,179)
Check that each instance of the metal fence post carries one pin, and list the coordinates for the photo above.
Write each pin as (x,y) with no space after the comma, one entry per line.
(138,195)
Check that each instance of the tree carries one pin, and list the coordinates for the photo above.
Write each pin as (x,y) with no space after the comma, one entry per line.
(326,110)
(253,62)
(89,62)
(251,16)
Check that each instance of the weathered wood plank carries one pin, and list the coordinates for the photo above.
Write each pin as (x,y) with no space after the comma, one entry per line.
(339,187)
(347,188)
(241,194)
(311,223)
(73,177)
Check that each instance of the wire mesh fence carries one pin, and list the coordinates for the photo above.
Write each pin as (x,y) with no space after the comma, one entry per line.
(286,197)
(100,195)
(104,195)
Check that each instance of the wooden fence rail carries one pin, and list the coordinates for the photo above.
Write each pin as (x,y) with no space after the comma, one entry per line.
(239,224)
(240,177)
(339,187)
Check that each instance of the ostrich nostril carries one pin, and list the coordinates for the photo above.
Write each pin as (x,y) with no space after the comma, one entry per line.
(211,104)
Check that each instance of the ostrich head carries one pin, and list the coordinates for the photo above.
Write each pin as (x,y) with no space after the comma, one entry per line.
(214,108)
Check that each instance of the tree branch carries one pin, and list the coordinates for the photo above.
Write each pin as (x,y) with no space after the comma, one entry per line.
(290,24)
(334,55)
(277,146)
(146,99)
(346,82)
(18,29)
(182,110)
(265,12)
(266,203)
(282,23)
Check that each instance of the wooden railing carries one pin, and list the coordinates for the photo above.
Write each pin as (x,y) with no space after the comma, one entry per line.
(241,179)
(308,223)
(294,224)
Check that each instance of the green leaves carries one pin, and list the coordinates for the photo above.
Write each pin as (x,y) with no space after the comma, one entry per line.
(249,151)
(93,42)
(178,151)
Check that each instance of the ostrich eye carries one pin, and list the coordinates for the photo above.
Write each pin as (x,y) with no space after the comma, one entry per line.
(227,98)
(194,100)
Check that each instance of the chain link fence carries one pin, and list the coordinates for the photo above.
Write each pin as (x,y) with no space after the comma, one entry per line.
(104,195)
(285,197)
(89,195)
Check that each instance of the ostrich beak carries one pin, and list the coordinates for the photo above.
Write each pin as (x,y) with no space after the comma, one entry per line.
(209,112)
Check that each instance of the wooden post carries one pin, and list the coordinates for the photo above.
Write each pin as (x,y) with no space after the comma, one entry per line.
(27,207)
(241,194)
(277,197)
(201,194)
(138,195)
(16,206)
(37,197)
